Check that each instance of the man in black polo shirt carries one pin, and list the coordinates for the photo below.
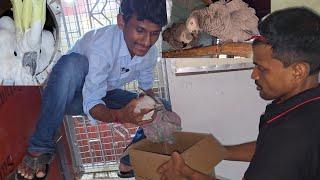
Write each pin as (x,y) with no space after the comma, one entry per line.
(287,59)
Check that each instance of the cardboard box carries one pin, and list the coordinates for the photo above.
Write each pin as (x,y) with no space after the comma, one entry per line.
(200,151)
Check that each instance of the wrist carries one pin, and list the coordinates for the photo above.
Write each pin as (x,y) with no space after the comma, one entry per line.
(114,115)
(192,176)
(195,175)
(228,153)
(189,173)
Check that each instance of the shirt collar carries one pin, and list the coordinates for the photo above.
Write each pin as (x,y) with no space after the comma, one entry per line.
(275,108)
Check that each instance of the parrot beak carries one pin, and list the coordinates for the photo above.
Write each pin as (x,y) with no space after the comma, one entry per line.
(29,61)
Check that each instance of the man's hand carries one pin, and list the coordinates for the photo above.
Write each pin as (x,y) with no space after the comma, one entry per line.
(177,169)
(127,114)
(124,115)
(173,169)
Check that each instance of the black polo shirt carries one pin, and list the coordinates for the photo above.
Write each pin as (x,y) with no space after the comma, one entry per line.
(288,144)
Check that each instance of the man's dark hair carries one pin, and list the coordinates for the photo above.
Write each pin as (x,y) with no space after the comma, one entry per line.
(152,10)
(294,35)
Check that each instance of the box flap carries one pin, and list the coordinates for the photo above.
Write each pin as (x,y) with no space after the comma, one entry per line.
(159,148)
(200,151)
(145,163)
(183,141)
(205,154)
(187,139)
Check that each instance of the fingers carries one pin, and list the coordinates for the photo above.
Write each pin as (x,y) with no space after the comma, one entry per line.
(137,118)
(163,167)
(174,168)
(176,157)
(133,103)
(163,177)
(145,111)
(144,122)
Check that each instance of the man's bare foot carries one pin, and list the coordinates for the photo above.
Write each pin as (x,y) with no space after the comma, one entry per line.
(25,171)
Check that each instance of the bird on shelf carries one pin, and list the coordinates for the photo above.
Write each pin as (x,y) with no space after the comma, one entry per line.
(179,37)
(229,21)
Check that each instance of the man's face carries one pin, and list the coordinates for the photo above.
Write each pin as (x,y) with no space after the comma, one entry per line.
(273,80)
(139,35)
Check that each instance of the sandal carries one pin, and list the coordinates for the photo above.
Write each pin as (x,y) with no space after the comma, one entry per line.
(125,159)
(35,163)
(128,174)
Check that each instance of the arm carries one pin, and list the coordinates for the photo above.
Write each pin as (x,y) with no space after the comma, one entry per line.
(199,176)
(102,113)
(95,88)
(126,114)
(241,152)
(176,168)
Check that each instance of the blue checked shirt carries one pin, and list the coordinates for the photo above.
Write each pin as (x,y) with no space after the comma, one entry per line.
(110,64)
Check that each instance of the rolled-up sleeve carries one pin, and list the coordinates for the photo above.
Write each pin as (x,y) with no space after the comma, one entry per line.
(146,76)
(95,86)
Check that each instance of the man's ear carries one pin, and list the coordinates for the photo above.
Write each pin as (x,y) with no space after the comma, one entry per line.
(120,21)
(300,70)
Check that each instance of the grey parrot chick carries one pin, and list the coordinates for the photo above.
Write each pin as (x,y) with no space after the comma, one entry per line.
(179,37)
(232,21)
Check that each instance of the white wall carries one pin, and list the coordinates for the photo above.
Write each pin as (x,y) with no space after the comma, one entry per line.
(313,4)
(225,104)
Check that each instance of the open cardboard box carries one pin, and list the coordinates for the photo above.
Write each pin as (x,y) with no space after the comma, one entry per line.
(200,151)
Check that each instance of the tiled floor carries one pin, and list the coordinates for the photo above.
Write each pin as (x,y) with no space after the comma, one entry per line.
(113,176)
(105,175)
